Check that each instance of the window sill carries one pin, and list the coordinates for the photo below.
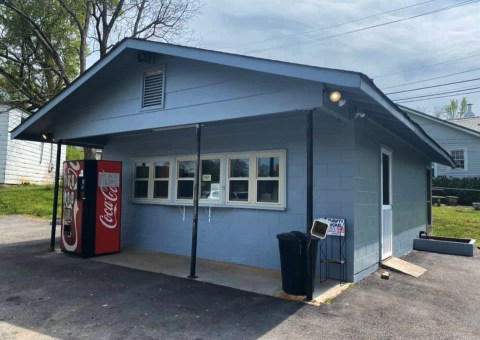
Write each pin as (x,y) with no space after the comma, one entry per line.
(212,205)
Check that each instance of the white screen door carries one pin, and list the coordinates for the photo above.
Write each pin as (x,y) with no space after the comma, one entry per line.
(386,200)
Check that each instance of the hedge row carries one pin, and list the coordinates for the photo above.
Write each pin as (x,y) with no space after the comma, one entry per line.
(464,197)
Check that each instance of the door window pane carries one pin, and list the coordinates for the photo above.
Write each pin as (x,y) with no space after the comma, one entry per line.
(141,170)
(160,189)
(238,190)
(268,167)
(267,191)
(386,179)
(210,179)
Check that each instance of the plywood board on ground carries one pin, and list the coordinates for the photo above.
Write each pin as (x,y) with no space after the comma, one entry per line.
(399,265)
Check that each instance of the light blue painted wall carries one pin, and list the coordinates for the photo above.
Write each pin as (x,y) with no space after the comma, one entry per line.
(246,236)
(409,195)
(194,91)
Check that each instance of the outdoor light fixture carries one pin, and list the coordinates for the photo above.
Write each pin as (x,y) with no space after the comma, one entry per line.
(342,102)
(359,115)
(47,137)
(335,97)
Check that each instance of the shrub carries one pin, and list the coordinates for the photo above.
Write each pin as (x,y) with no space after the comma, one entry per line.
(465,197)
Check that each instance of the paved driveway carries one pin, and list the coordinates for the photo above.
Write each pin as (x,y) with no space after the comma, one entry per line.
(51,295)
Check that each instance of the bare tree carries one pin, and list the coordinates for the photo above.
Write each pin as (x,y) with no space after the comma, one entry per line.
(44,44)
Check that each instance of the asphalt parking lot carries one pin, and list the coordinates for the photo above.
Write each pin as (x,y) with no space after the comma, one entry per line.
(46,295)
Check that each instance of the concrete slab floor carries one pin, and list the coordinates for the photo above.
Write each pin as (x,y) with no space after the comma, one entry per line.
(250,279)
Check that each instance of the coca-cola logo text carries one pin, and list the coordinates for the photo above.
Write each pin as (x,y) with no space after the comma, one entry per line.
(110,204)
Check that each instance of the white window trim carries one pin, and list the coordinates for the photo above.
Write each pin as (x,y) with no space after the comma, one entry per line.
(151,179)
(465,160)
(224,180)
(188,201)
(159,68)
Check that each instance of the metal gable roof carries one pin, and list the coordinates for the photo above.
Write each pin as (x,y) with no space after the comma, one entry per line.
(398,121)
(451,124)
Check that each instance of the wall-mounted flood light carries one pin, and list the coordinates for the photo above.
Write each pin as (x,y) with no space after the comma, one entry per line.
(335,96)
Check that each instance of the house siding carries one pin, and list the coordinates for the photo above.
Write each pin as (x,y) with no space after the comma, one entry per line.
(4,138)
(26,162)
(409,214)
(450,138)
(194,91)
(246,236)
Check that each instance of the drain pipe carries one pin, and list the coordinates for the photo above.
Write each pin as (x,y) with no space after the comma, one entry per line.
(309,218)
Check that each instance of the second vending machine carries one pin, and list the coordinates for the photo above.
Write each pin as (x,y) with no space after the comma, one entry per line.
(91,208)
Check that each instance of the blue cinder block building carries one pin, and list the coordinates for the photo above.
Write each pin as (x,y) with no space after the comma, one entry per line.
(146,103)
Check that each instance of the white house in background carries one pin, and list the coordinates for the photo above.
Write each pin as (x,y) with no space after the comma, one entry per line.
(460,137)
(24,161)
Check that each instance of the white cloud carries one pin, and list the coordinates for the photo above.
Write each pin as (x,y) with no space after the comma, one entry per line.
(236,26)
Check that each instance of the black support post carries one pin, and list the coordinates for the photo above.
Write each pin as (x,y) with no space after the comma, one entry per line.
(55,195)
(196,185)
(309,218)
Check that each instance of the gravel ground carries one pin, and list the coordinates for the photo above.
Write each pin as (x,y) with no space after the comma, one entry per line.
(46,295)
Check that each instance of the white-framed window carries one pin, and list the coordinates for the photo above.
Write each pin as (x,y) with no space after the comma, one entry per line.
(253,179)
(238,185)
(153,90)
(161,179)
(210,189)
(141,179)
(151,179)
(256,179)
(460,158)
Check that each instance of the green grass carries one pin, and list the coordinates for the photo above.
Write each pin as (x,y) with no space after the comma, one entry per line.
(463,222)
(29,200)
(32,200)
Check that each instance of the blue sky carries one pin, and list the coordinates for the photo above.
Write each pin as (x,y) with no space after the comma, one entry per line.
(392,55)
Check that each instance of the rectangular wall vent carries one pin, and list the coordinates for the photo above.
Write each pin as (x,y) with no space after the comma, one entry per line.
(153,88)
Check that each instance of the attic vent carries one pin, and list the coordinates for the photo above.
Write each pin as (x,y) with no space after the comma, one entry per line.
(153,88)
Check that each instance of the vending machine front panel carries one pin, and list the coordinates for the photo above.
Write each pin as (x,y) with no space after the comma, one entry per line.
(109,197)
(72,207)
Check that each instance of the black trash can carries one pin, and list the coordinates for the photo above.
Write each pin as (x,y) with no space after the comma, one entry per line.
(294,247)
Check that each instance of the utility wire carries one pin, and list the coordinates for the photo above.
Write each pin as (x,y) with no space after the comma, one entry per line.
(433,86)
(439,93)
(427,66)
(437,97)
(328,27)
(366,28)
(429,79)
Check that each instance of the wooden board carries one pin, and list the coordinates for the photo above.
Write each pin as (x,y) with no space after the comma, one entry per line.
(399,265)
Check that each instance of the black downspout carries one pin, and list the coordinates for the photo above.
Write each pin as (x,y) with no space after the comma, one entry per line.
(309,202)
(196,184)
(55,195)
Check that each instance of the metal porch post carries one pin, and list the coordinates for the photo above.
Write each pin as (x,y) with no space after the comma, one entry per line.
(196,184)
(55,195)
(309,218)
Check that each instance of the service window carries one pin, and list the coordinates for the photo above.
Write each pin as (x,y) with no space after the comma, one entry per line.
(142,173)
(161,180)
(210,188)
(268,179)
(185,178)
(238,179)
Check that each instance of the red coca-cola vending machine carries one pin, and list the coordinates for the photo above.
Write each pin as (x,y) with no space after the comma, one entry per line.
(91,208)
